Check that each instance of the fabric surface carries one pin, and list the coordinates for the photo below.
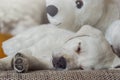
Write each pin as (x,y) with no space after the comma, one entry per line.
(62,75)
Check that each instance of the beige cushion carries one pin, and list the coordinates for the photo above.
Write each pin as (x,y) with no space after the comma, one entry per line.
(62,75)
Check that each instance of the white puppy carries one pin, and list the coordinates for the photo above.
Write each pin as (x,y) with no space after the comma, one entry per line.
(57,48)
(87,50)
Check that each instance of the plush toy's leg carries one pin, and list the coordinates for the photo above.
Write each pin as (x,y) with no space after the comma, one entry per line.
(113,36)
(6,63)
(23,62)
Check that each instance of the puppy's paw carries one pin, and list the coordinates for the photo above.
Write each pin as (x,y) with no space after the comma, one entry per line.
(20,63)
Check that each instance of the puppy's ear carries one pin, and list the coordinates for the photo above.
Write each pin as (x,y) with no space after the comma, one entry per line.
(111,13)
(88,30)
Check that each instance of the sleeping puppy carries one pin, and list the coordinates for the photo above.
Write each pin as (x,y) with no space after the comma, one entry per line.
(59,49)
(87,50)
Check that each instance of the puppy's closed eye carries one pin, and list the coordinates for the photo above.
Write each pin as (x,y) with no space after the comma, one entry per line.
(78,48)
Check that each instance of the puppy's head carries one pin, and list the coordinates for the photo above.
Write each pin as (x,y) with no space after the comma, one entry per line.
(86,51)
(74,12)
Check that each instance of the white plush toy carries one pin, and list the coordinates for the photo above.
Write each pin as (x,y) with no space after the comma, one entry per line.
(17,15)
(73,14)
(48,47)
(97,13)
(113,36)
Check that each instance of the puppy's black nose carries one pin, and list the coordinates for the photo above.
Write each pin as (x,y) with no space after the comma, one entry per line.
(59,63)
(52,10)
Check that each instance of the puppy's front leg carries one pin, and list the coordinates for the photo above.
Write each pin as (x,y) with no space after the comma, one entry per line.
(23,62)
(20,62)
(6,63)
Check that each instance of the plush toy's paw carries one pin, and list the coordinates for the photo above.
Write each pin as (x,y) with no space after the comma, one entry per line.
(20,63)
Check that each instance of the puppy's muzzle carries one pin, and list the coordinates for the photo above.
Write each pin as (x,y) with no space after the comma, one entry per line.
(59,63)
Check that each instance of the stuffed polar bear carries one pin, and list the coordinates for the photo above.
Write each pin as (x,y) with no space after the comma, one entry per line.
(73,14)
(17,15)
(49,47)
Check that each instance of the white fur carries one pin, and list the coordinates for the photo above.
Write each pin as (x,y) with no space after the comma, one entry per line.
(68,14)
(95,52)
(33,36)
(98,13)
(17,15)
(113,36)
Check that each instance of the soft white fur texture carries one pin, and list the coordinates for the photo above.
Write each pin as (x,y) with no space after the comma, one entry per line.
(113,36)
(36,35)
(40,49)
(98,13)
(17,15)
